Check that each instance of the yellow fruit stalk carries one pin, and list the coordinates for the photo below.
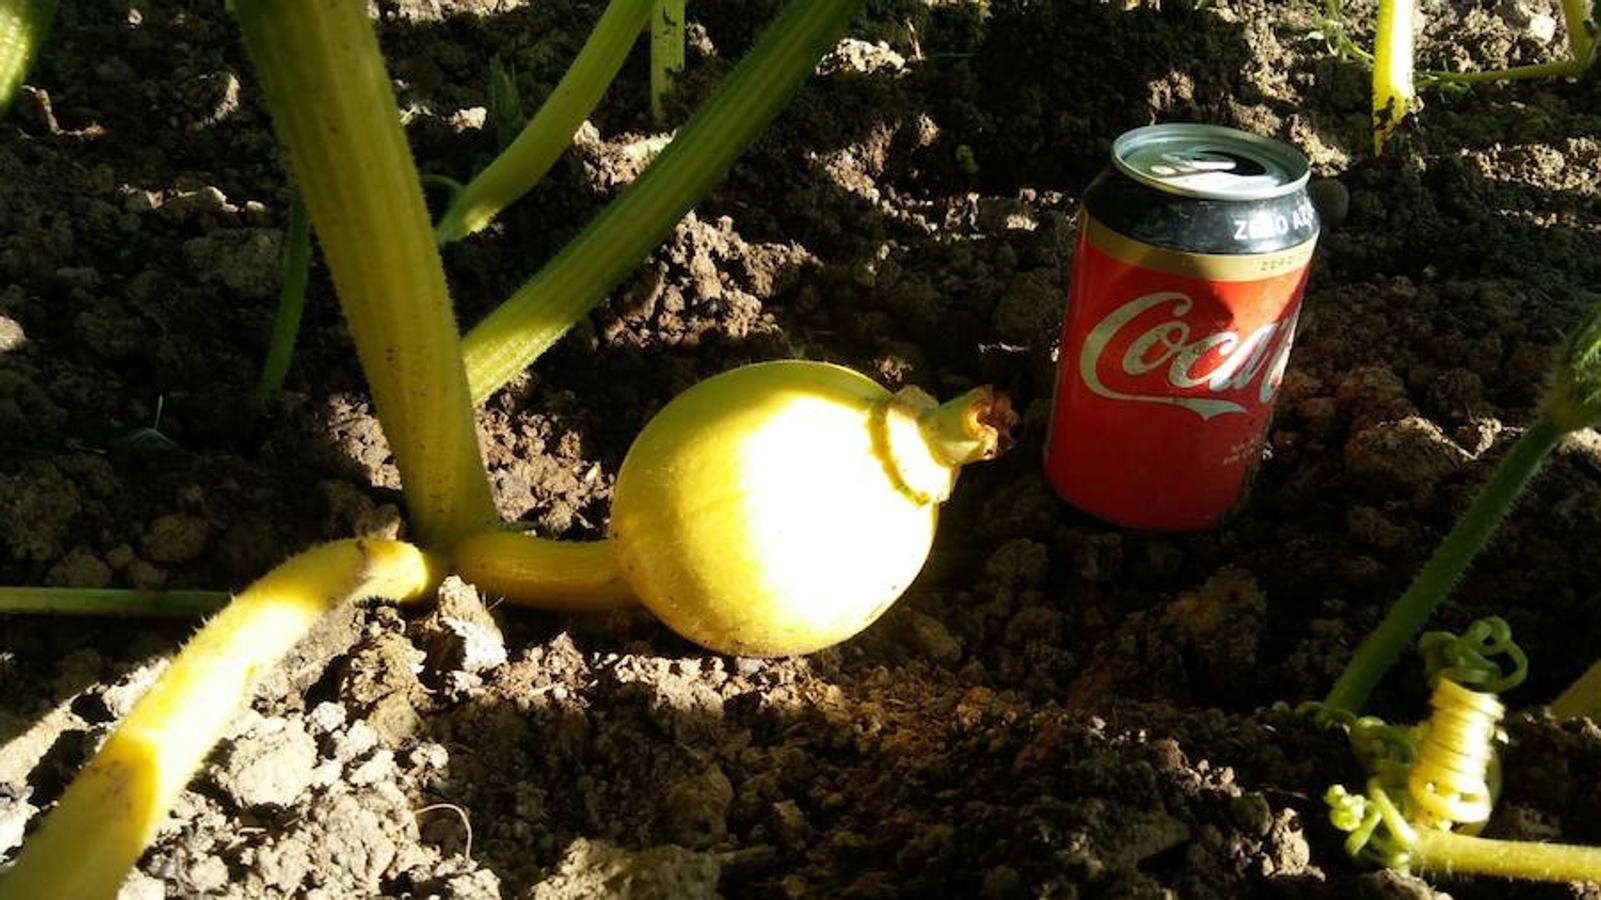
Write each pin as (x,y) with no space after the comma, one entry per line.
(775,509)
(112,810)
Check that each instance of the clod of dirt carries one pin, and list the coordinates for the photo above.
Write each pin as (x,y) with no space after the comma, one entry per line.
(270,766)
(120,697)
(80,568)
(1412,454)
(176,538)
(592,868)
(1373,394)
(1205,643)
(246,261)
(11,335)
(15,811)
(931,638)
(697,809)
(460,635)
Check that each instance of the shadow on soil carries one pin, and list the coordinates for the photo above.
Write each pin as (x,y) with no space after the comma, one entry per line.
(923,200)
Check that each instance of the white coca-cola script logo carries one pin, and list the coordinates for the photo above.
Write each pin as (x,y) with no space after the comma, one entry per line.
(1231,362)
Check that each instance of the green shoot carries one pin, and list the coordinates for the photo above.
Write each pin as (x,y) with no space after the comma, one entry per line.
(666,53)
(505,103)
(1409,614)
(1393,91)
(333,107)
(291,300)
(515,171)
(1572,401)
(1581,27)
(635,223)
(111,602)
(23,27)
(113,809)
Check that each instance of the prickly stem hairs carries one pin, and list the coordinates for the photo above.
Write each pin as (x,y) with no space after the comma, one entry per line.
(23,26)
(1572,400)
(332,106)
(542,310)
(113,809)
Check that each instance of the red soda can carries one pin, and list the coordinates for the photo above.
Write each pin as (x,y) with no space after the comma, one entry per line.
(1190,257)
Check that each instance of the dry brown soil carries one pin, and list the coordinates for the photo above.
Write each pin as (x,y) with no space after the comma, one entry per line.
(1057,708)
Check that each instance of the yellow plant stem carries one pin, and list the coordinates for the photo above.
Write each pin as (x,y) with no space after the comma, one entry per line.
(1393,88)
(112,811)
(1582,697)
(110,602)
(1448,852)
(515,171)
(559,576)
(333,107)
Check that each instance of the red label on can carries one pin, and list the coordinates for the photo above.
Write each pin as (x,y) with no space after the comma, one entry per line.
(1168,368)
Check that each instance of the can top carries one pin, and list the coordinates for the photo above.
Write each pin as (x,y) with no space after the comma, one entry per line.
(1210,162)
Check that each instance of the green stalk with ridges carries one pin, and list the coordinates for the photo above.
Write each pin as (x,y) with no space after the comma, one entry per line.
(1409,614)
(1572,401)
(666,52)
(515,172)
(291,300)
(635,223)
(115,602)
(333,107)
(23,26)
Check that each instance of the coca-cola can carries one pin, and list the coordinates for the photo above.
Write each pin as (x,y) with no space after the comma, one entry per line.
(1190,256)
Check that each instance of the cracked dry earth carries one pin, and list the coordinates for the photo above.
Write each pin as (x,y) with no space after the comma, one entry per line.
(1057,708)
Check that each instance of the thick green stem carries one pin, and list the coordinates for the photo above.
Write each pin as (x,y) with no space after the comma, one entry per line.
(333,107)
(666,52)
(111,602)
(637,221)
(1410,613)
(1461,854)
(1393,90)
(514,172)
(23,26)
(1578,17)
(291,299)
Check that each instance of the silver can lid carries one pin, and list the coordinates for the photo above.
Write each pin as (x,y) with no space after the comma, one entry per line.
(1210,162)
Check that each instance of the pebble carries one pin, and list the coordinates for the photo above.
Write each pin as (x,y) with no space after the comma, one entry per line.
(268,767)
(697,809)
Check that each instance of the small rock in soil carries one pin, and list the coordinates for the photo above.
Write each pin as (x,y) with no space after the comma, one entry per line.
(15,811)
(592,868)
(176,538)
(271,766)
(1410,454)
(697,809)
(460,635)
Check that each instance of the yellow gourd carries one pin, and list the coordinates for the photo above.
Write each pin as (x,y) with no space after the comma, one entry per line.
(775,509)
